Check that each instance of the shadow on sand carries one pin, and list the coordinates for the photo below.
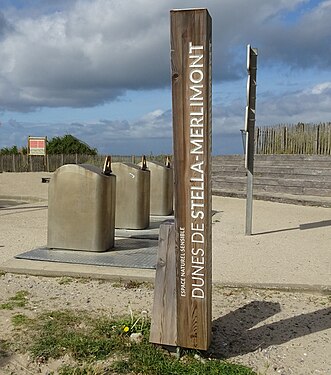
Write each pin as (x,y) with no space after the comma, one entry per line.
(233,334)
(4,355)
(317,224)
(13,210)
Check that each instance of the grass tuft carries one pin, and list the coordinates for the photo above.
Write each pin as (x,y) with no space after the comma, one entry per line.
(65,280)
(59,332)
(132,284)
(100,345)
(149,359)
(19,300)
(88,369)
(20,320)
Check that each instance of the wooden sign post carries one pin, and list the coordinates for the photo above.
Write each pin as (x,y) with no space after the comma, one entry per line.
(191,102)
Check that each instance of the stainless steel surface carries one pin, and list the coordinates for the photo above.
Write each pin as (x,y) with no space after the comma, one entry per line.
(81,209)
(133,196)
(161,188)
(151,233)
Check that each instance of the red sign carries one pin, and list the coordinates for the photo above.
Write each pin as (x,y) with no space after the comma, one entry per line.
(37,146)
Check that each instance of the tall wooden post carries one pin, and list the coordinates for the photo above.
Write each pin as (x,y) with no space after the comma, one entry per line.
(191,102)
(250,133)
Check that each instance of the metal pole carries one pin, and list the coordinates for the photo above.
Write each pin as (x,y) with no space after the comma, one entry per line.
(250,133)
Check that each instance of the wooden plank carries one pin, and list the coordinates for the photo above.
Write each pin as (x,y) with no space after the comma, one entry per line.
(164,314)
(14,162)
(295,139)
(191,101)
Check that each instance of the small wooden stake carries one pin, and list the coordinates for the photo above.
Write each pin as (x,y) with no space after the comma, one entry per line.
(164,315)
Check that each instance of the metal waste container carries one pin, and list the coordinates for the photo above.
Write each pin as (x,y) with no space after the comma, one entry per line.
(132,197)
(81,209)
(162,181)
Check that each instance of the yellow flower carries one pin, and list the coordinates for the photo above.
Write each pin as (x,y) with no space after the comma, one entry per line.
(126,329)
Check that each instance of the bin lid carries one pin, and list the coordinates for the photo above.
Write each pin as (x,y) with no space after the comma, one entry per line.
(127,164)
(91,168)
(75,168)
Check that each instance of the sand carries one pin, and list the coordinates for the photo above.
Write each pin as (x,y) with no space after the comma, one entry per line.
(271,331)
(282,330)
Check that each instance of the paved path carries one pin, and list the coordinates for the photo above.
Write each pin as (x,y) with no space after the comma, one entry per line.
(290,245)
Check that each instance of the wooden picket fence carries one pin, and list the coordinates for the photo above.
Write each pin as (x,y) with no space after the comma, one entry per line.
(294,139)
(25,163)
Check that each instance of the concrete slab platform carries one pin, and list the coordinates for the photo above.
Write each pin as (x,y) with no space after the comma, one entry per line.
(51,269)
(129,253)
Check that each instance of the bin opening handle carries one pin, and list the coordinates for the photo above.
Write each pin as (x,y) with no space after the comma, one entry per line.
(107,166)
(167,162)
(143,163)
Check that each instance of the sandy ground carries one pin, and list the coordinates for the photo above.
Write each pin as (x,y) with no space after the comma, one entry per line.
(290,245)
(275,332)
(272,332)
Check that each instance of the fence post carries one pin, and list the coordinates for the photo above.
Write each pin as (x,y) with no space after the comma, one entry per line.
(47,163)
(316,140)
(13,163)
(257,141)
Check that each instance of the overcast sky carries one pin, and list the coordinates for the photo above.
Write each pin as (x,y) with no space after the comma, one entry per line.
(100,69)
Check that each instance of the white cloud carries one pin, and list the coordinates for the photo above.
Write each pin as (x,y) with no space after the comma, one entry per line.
(309,105)
(152,132)
(103,134)
(320,88)
(90,52)
(84,56)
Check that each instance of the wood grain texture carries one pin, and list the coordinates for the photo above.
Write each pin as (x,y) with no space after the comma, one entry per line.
(164,314)
(191,102)
(305,139)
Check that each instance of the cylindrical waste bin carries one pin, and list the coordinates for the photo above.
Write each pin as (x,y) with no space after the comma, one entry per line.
(132,197)
(81,209)
(162,182)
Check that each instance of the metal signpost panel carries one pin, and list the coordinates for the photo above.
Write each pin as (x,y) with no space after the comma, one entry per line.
(250,133)
(191,101)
